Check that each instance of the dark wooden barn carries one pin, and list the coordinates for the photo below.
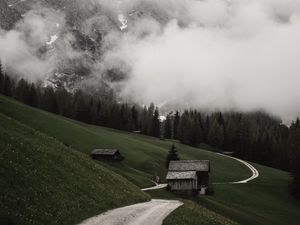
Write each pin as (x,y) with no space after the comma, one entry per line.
(106,154)
(188,175)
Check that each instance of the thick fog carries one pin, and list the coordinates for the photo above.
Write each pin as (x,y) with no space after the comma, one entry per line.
(208,54)
(240,54)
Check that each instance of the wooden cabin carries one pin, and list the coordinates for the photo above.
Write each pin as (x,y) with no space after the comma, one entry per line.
(188,175)
(106,154)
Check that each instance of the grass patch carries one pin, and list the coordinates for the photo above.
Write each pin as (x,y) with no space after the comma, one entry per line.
(193,214)
(265,200)
(144,155)
(45,182)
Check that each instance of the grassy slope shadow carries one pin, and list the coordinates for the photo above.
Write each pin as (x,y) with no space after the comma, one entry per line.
(44,182)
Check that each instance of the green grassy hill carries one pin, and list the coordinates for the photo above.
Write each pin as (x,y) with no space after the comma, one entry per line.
(144,155)
(263,201)
(44,182)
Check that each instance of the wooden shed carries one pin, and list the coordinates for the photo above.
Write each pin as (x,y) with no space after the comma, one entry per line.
(188,175)
(106,154)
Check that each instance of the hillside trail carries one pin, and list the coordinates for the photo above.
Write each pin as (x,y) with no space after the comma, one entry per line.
(154,211)
(157,186)
(254,171)
(254,175)
(147,213)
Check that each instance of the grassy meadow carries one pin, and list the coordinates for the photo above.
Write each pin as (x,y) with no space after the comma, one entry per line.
(45,182)
(264,200)
(144,155)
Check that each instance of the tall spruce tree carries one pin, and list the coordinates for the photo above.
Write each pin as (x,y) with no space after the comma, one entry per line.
(168,127)
(184,128)
(206,127)
(134,119)
(296,174)
(8,85)
(32,98)
(172,155)
(176,124)
(216,135)
(231,133)
(1,79)
(155,124)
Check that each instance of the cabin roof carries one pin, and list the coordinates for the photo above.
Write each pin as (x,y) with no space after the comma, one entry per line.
(104,152)
(190,165)
(184,175)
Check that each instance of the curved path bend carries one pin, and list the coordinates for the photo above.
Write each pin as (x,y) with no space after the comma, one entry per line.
(153,212)
(254,171)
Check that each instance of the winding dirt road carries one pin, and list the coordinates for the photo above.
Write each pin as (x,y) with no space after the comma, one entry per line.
(254,171)
(148,213)
(155,211)
(157,186)
(254,175)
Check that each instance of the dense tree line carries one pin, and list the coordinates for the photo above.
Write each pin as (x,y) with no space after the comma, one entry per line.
(84,107)
(255,136)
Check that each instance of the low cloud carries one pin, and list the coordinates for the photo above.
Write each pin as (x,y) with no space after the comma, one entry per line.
(208,54)
(24,50)
(220,55)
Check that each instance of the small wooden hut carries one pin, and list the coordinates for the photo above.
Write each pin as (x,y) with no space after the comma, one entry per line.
(106,154)
(188,175)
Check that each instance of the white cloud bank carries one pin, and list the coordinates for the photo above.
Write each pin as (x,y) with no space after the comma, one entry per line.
(216,54)
(22,49)
(209,54)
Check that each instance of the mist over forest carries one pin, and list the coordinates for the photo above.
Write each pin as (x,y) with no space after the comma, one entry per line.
(210,55)
(149,112)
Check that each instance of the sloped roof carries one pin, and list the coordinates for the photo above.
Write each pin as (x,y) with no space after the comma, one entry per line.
(104,151)
(190,165)
(181,175)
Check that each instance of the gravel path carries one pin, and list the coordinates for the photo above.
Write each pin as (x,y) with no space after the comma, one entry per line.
(148,213)
(157,186)
(254,171)
(153,212)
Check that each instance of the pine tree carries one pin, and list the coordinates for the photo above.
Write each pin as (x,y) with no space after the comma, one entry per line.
(231,133)
(243,137)
(296,174)
(150,119)
(172,155)
(7,85)
(297,123)
(134,119)
(216,135)
(22,93)
(184,128)
(55,106)
(195,131)
(32,99)
(155,125)
(1,79)
(168,127)
(64,100)
(206,128)
(98,112)
(176,124)
(124,117)
(49,100)
(144,121)
(220,119)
